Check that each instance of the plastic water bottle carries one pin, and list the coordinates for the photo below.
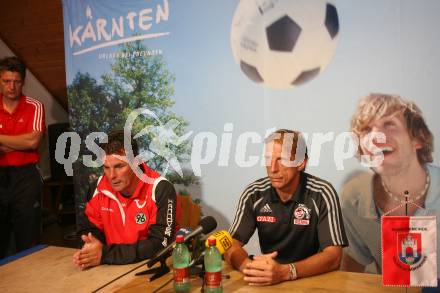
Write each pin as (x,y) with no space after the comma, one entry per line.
(181,259)
(213,268)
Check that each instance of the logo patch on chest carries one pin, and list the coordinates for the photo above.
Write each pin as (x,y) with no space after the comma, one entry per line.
(266,209)
(301,215)
(105,209)
(140,218)
(267,219)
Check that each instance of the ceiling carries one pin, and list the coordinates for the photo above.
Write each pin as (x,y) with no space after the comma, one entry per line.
(33,30)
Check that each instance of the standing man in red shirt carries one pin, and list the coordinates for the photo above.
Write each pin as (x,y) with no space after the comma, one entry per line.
(21,129)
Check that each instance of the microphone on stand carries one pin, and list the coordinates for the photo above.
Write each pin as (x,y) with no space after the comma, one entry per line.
(163,269)
(206,225)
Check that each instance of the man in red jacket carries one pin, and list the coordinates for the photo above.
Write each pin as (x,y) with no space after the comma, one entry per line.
(130,217)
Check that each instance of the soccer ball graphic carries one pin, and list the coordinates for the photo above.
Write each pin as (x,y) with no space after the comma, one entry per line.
(284,43)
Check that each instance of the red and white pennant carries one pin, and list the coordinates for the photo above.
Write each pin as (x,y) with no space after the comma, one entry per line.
(409,251)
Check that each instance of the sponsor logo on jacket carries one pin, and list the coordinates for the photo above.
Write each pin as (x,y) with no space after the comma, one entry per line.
(266,209)
(106,209)
(268,219)
(169,221)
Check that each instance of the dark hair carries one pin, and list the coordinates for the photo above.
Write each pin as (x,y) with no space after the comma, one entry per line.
(13,64)
(115,144)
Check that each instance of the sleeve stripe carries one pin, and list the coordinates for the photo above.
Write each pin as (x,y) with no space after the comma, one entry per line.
(331,216)
(316,207)
(329,195)
(97,184)
(153,191)
(257,202)
(38,114)
(336,212)
(38,121)
(241,204)
(256,186)
(121,209)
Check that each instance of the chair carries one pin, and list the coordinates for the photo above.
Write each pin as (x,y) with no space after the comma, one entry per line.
(190,211)
(53,191)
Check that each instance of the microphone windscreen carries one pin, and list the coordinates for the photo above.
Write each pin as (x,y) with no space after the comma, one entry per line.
(184,231)
(208,224)
(223,240)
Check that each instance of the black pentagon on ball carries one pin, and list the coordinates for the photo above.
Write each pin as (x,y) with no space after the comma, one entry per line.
(283,34)
(331,20)
(251,72)
(305,76)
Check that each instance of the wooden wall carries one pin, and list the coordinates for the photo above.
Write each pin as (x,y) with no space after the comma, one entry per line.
(33,30)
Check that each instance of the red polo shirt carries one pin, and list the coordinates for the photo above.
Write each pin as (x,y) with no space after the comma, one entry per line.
(28,116)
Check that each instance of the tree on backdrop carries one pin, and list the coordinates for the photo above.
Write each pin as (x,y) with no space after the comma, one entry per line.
(134,82)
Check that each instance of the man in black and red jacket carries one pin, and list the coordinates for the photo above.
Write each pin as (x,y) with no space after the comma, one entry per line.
(132,215)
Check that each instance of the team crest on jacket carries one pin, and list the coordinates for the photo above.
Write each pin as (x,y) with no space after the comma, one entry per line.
(140,218)
(409,248)
(301,215)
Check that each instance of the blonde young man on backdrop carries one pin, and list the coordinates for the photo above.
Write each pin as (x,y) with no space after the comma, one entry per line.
(406,147)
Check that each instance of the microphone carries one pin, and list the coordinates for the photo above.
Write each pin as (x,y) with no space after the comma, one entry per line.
(223,240)
(163,269)
(206,225)
(223,243)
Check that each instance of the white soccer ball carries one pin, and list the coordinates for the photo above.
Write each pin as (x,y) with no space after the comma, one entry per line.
(284,43)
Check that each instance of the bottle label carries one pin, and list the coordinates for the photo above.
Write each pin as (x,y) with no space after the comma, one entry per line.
(181,275)
(213,279)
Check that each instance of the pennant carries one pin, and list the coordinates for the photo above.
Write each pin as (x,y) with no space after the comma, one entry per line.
(409,251)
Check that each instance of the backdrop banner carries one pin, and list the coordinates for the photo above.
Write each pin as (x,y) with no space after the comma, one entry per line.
(201,84)
(116,68)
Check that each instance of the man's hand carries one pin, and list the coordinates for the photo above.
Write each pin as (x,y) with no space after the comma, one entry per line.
(236,256)
(264,270)
(90,254)
(76,258)
(4,149)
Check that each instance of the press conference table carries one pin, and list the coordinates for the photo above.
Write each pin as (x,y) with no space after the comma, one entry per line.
(51,270)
